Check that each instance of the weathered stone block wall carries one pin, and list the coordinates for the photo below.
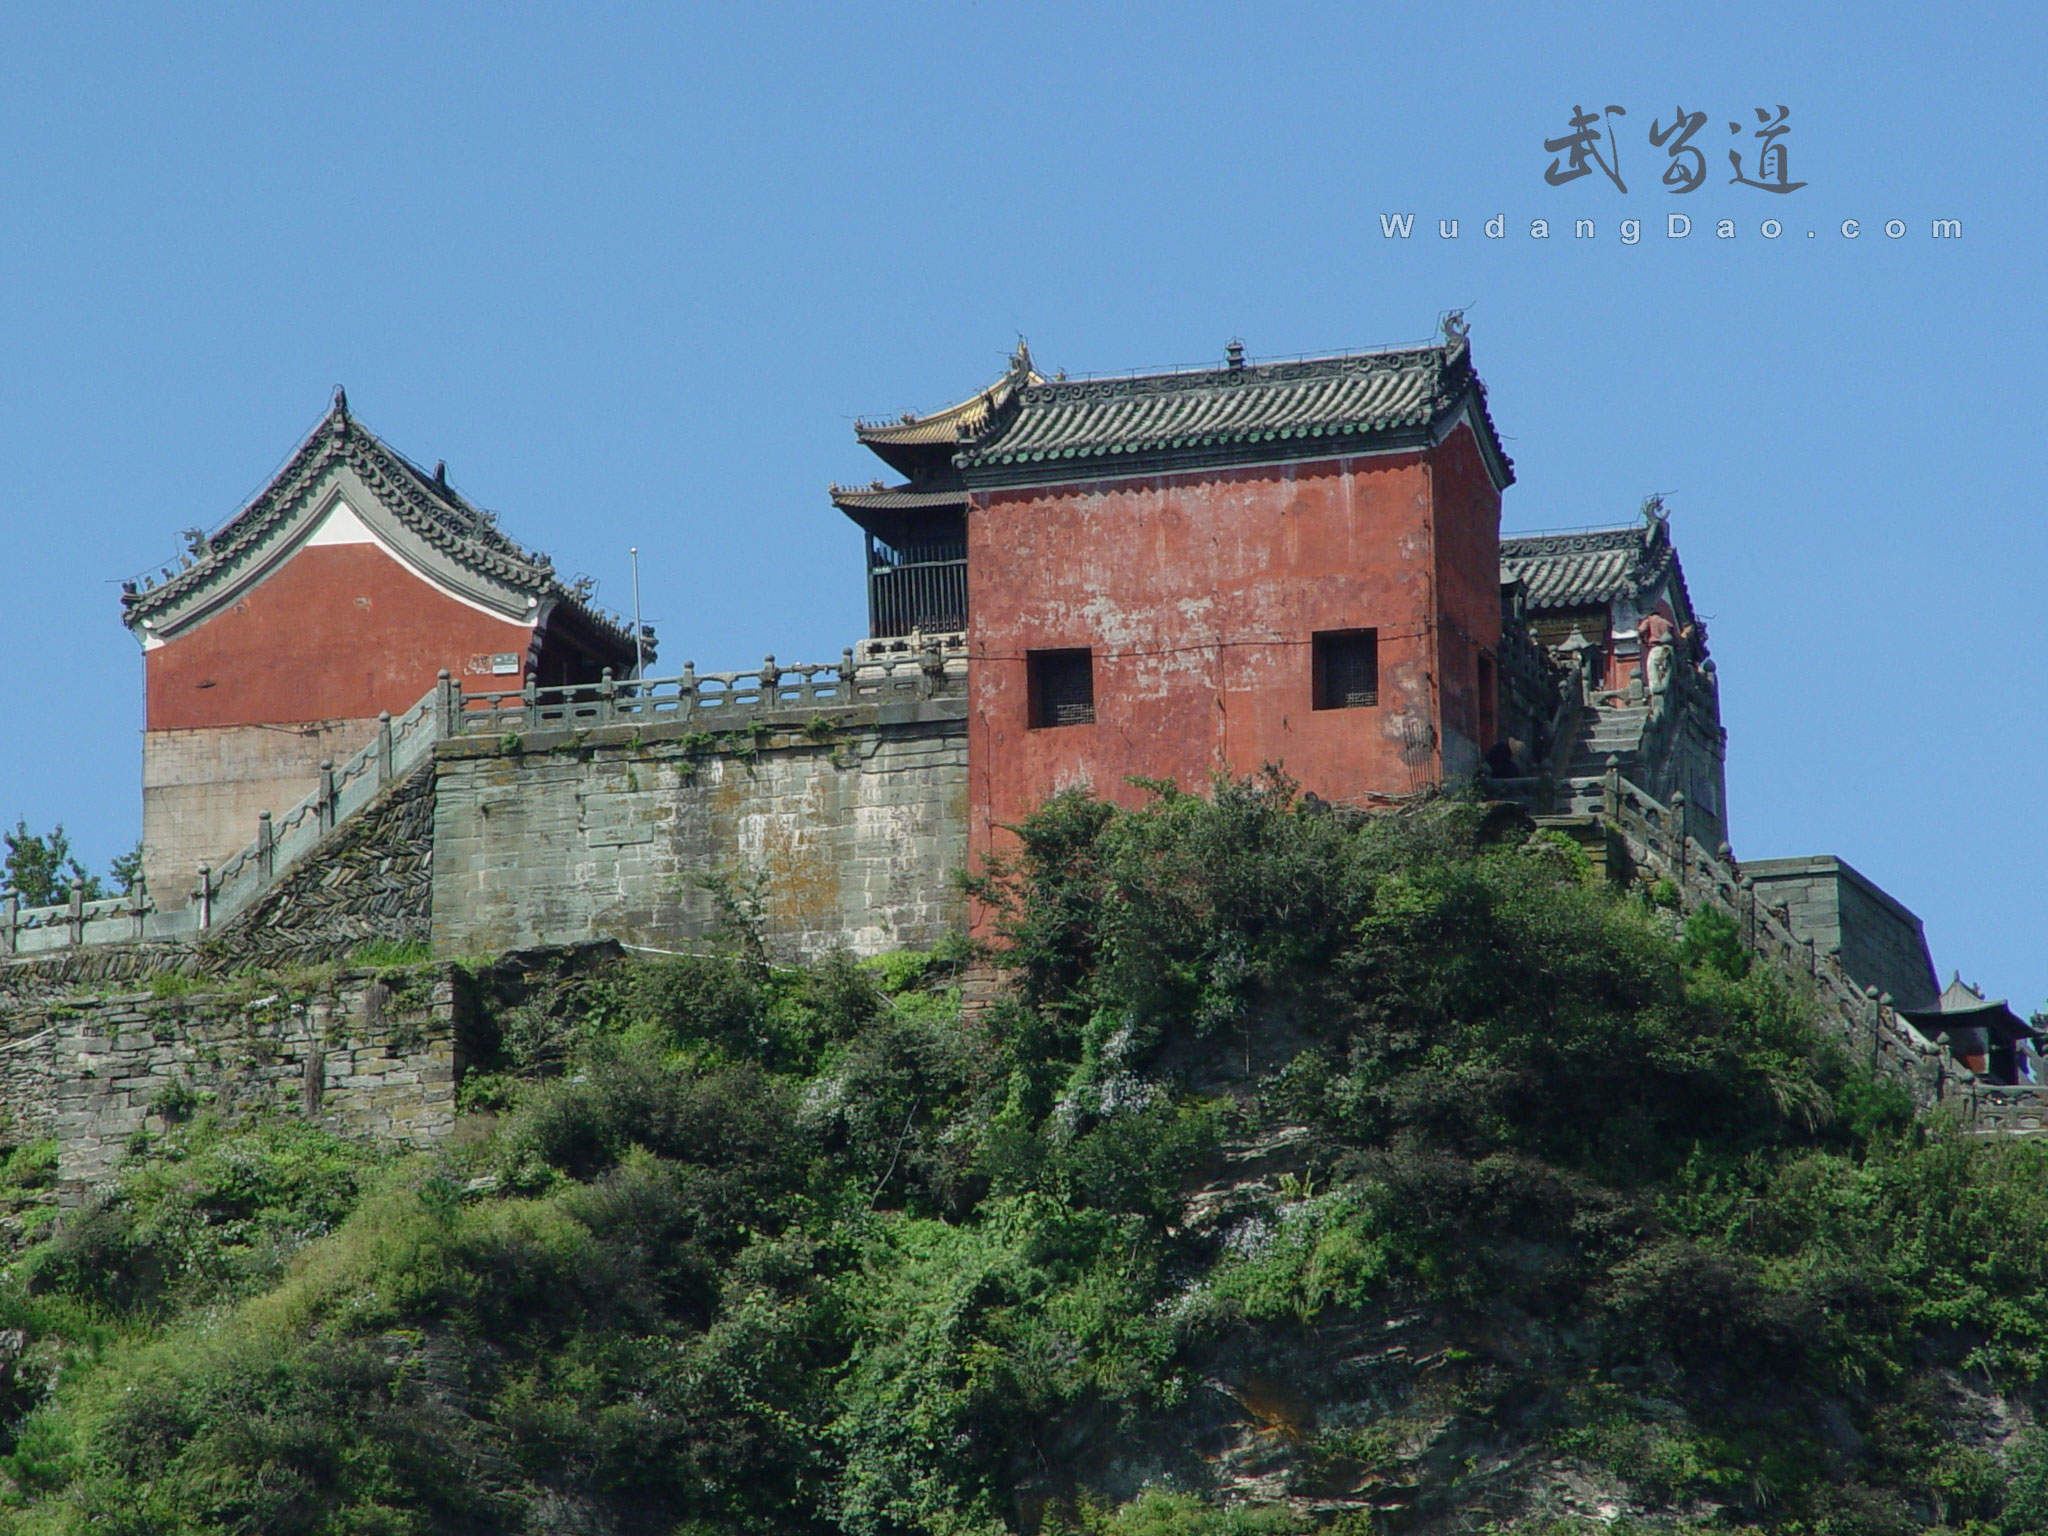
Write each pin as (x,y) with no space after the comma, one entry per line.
(373,1055)
(1882,944)
(854,829)
(372,878)
(33,980)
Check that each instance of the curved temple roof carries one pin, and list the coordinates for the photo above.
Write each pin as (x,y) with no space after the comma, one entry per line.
(1408,397)
(456,543)
(955,422)
(1593,566)
(1962,1006)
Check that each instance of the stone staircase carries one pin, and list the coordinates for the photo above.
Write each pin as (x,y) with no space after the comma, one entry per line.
(1605,732)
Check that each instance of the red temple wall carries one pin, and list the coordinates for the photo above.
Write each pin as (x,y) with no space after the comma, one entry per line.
(1199,594)
(1467,524)
(242,709)
(341,632)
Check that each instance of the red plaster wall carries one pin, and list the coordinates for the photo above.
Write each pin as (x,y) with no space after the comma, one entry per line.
(342,631)
(1467,539)
(1199,594)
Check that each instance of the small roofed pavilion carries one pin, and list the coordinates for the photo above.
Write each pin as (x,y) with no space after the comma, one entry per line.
(917,529)
(1984,1034)
(1600,584)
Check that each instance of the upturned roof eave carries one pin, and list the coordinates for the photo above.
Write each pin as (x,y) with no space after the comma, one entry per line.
(1438,380)
(1646,567)
(249,544)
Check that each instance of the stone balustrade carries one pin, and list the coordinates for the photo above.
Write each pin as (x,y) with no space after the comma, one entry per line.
(399,746)
(720,701)
(889,671)
(1657,839)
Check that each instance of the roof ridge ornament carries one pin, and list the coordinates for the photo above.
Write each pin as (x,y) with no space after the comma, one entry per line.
(1656,517)
(1233,354)
(1455,329)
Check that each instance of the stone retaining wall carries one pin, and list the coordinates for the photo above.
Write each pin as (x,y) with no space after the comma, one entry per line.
(849,826)
(370,1054)
(1881,942)
(371,879)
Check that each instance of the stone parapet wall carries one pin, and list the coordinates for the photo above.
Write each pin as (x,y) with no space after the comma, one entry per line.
(1882,944)
(369,1054)
(2011,1111)
(848,826)
(1658,840)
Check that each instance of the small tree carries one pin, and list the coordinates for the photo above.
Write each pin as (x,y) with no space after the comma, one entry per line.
(126,870)
(41,868)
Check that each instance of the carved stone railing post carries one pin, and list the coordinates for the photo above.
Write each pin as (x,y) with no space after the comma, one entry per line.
(1610,790)
(1678,832)
(11,904)
(771,681)
(324,806)
(931,668)
(846,671)
(204,896)
(266,845)
(75,917)
(387,749)
(529,702)
(686,692)
(447,706)
(138,902)
(607,697)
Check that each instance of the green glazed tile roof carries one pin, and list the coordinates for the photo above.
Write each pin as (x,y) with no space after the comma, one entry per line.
(1591,566)
(1297,406)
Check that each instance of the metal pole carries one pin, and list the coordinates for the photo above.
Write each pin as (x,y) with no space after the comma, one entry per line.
(639,661)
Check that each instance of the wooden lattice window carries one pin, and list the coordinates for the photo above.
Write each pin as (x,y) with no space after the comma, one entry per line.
(1347,668)
(1062,687)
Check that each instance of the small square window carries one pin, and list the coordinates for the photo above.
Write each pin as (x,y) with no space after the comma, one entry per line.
(1062,687)
(1347,668)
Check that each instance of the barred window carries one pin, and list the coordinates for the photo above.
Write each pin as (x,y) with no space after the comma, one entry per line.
(1062,687)
(1347,668)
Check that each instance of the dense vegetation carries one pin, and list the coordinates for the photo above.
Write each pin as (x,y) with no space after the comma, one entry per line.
(1313,1174)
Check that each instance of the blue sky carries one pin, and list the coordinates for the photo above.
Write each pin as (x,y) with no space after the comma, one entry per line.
(632,272)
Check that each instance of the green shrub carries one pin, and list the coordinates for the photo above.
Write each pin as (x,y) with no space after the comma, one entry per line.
(381,952)
(1178,1514)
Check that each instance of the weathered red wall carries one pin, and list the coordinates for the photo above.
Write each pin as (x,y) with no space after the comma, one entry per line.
(1467,540)
(1199,594)
(341,632)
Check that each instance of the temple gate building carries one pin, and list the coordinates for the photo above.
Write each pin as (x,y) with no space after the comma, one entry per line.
(341,591)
